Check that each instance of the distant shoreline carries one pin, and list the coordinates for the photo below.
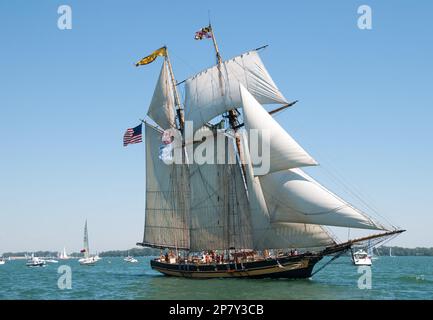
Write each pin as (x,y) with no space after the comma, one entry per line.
(145,252)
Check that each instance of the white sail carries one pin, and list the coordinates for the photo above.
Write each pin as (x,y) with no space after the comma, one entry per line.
(267,235)
(293,196)
(215,91)
(167,221)
(284,151)
(86,242)
(219,206)
(161,109)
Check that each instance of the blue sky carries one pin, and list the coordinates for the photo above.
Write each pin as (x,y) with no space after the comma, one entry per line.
(66,97)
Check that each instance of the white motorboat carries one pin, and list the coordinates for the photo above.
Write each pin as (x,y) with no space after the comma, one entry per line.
(36,262)
(361,258)
(51,261)
(2,261)
(130,259)
(89,261)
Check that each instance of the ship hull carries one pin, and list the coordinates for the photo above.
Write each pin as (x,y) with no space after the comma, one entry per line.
(298,267)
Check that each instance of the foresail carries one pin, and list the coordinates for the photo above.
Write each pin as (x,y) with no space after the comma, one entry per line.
(219,206)
(293,196)
(161,109)
(284,151)
(167,213)
(215,91)
(268,235)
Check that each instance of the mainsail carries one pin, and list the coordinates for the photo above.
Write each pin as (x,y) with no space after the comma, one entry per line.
(216,90)
(200,207)
(219,207)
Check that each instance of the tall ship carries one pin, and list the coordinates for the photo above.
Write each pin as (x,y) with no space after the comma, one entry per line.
(213,208)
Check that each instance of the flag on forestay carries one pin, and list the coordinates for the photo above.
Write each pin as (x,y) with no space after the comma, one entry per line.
(203,33)
(132,135)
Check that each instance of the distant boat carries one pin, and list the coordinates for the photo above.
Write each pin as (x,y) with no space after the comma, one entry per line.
(2,261)
(130,259)
(390,253)
(87,260)
(51,261)
(97,257)
(361,258)
(63,255)
(35,262)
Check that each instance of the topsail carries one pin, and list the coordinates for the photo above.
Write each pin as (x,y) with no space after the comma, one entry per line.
(161,109)
(213,91)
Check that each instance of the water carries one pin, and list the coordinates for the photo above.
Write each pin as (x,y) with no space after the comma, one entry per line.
(112,278)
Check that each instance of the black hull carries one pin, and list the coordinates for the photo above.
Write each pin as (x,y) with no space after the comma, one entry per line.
(289,267)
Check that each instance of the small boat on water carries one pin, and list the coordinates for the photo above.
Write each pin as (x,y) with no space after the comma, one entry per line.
(87,260)
(361,258)
(130,259)
(63,255)
(36,262)
(2,261)
(51,261)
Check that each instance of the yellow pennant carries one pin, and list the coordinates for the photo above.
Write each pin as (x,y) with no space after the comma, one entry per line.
(162,52)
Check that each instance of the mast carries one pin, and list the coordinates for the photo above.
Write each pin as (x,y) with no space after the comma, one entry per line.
(86,241)
(176,93)
(232,116)
(184,169)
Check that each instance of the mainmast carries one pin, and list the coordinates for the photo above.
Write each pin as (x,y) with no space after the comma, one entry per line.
(232,114)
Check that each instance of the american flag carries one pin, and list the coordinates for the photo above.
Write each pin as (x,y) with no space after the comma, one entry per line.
(132,135)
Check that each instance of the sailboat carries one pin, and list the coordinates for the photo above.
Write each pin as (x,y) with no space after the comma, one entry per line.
(87,260)
(63,255)
(227,217)
(130,259)
(390,252)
